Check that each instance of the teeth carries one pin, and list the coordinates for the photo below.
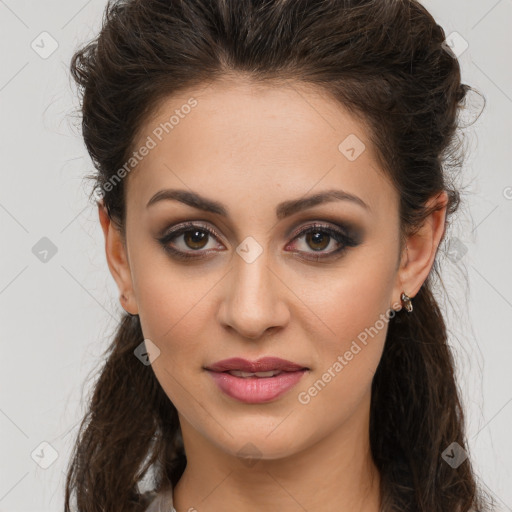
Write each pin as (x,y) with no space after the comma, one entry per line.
(239,373)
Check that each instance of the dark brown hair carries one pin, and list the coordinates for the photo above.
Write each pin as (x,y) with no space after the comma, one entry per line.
(385,61)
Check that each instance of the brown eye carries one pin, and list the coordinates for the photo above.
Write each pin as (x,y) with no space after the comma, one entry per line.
(318,240)
(195,239)
(191,240)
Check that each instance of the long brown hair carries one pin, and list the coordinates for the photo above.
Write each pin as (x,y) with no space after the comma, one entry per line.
(384,60)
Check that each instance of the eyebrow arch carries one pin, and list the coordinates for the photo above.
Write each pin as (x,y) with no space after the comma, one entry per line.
(284,209)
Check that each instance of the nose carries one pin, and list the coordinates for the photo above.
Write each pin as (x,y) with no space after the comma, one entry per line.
(254,302)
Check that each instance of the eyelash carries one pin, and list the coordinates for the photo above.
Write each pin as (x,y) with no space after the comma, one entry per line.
(337,234)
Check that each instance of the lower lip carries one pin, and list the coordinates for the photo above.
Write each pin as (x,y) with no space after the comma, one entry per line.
(255,390)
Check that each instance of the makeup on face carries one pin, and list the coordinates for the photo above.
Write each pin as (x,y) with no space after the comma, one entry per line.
(256,382)
(323,240)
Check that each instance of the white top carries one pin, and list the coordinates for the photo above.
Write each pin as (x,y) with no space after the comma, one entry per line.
(161,502)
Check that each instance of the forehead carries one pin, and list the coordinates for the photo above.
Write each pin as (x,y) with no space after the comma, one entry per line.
(250,138)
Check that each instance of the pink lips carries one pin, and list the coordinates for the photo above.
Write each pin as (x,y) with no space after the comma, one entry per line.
(256,389)
(264,364)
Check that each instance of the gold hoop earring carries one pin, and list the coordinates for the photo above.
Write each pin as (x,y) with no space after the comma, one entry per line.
(406,302)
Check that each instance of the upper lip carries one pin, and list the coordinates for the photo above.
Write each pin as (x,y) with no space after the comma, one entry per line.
(264,364)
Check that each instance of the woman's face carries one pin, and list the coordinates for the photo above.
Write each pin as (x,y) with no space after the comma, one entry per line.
(248,279)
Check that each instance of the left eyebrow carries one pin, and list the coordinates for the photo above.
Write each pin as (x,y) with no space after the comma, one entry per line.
(288,208)
(284,209)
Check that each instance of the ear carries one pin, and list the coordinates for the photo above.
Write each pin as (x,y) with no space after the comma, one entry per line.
(117,260)
(420,250)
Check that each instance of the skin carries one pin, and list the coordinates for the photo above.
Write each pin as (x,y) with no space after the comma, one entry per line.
(250,148)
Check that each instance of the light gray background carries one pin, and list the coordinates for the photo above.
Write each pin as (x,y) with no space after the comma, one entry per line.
(56,317)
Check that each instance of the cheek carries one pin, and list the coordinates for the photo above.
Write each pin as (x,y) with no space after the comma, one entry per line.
(356,303)
(174,315)
(349,333)
(171,299)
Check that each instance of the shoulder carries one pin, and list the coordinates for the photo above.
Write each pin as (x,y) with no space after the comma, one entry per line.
(157,502)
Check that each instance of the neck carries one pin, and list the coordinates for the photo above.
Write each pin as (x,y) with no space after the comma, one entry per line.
(334,474)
